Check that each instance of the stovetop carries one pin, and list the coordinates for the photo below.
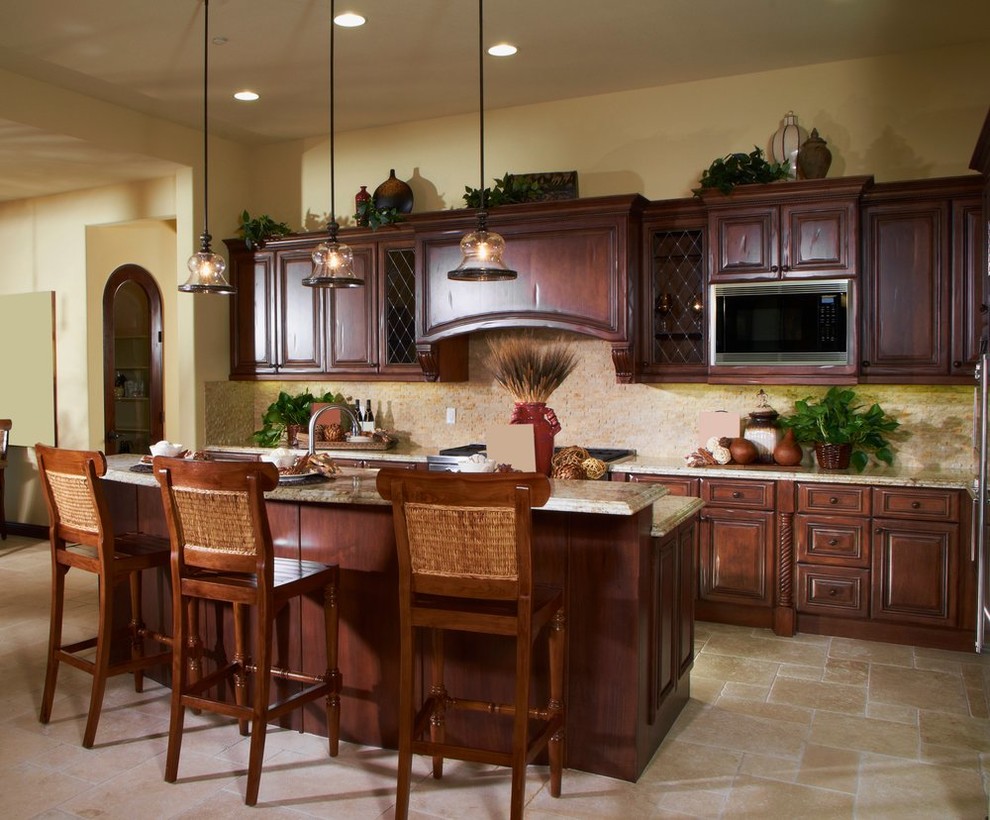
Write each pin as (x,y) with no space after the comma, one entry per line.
(606,454)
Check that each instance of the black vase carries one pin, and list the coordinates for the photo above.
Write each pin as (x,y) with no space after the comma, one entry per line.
(393,193)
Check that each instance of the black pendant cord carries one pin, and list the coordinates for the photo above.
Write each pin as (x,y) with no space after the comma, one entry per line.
(482,215)
(205,238)
(332,225)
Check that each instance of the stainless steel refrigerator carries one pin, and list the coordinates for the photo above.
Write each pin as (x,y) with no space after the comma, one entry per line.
(981,544)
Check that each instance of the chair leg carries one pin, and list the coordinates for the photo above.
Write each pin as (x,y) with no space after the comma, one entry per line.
(136,626)
(555,748)
(240,659)
(182,644)
(438,720)
(331,619)
(101,663)
(54,640)
(259,723)
(520,729)
(406,717)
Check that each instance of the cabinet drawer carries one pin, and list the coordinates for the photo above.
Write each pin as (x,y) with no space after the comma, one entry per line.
(833,591)
(832,498)
(832,541)
(727,493)
(894,502)
(675,486)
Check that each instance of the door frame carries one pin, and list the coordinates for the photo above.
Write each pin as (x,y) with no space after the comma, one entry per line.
(143,279)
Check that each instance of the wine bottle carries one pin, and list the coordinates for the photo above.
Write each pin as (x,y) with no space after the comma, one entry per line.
(368,423)
(358,415)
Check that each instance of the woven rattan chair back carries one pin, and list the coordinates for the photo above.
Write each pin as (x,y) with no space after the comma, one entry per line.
(76,506)
(216,511)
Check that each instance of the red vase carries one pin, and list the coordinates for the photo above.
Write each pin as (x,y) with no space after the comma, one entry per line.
(360,198)
(545,427)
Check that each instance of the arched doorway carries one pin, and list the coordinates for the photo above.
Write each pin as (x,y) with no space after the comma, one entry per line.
(132,361)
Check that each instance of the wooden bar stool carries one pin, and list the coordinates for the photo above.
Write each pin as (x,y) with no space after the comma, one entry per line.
(222,551)
(464,555)
(82,536)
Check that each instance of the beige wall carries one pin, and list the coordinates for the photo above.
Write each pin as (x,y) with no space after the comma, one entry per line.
(900,117)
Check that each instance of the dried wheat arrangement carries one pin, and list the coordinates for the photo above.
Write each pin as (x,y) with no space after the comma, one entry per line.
(528,368)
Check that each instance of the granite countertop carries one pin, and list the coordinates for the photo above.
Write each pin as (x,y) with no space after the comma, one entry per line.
(671,511)
(357,486)
(873,474)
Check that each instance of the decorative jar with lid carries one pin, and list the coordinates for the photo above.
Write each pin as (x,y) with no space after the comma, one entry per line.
(762,428)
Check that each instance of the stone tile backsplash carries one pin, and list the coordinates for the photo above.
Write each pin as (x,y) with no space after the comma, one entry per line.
(657,420)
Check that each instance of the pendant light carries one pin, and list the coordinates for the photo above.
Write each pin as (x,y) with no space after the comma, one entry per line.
(333,262)
(206,268)
(481,250)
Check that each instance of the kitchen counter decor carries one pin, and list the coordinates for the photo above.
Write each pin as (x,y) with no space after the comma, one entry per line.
(531,369)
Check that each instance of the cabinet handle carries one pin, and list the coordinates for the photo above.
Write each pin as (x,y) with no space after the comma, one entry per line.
(832,591)
(833,500)
(774,269)
(915,505)
(878,530)
(737,494)
(785,268)
(864,363)
(957,364)
(983,308)
(833,541)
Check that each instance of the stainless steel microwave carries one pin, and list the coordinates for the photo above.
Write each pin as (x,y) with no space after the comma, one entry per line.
(781,323)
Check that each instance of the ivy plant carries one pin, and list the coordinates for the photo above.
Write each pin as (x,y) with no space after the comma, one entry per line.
(254,231)
(507,190)
(741,169)
(368,214)
(286,410)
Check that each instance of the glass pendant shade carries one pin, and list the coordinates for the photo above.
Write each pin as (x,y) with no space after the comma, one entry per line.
(206,271)
(333,266)
(481,257)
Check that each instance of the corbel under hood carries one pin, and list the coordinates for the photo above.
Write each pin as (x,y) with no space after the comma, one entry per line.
(578,264)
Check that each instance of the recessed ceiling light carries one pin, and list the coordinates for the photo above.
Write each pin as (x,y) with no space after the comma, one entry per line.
(502,50)
(246,95)
(349,20)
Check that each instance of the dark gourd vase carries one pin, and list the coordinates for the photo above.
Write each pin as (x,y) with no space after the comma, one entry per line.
(545,427)
(393,193)
(788,452)
(814,158)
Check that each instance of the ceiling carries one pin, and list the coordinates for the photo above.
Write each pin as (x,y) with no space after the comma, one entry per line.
(413,60)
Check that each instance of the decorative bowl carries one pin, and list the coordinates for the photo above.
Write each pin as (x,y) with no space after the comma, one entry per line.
(478,464)
(281,457)
(167,448)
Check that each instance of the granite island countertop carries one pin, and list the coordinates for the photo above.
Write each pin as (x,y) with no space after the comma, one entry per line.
(357,486)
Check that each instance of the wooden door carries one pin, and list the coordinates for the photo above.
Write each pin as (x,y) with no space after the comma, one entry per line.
(300,339)
(969,300)
(735,551)
(352,329)
(133,413)
(818,239)
(744,244)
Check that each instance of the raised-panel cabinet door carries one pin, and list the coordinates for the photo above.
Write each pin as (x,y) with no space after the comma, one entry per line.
(915,572)
(969,299)
(663,627)
(818,240)
(252,312)
(905,328)
(744,244)
(352,328)
(687,546)
(736,545)
(299,330)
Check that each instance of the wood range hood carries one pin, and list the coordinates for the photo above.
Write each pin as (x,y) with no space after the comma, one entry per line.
(578,265)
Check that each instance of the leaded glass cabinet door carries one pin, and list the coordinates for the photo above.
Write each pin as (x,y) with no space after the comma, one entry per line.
(398,325)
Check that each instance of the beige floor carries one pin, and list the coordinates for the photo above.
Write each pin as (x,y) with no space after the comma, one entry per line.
(777,728)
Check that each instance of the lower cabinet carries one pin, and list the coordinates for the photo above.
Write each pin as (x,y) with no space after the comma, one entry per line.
(888,563)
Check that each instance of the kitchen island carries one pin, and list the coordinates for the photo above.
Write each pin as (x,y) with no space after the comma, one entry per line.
(623,553)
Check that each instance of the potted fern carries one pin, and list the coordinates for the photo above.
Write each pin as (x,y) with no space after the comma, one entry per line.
(288,415)
(842,430)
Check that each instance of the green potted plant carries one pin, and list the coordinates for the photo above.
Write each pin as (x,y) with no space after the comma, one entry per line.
(254,231)
(287,415)
(725,173)
(508,190)
(842,430)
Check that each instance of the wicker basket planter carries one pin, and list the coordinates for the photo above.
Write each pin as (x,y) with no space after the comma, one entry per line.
(833,456)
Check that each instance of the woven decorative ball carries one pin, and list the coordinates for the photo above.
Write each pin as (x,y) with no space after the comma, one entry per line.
(334,432)
(569,471)
(593,467)
(569,455)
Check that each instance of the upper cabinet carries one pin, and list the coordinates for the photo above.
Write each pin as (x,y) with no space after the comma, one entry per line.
(788,230)
(282,329)
(923,299)
(577,264)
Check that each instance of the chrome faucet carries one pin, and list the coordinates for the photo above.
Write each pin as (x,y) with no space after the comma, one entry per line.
(355,424)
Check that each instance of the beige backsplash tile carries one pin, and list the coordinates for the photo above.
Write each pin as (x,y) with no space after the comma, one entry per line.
(657,420)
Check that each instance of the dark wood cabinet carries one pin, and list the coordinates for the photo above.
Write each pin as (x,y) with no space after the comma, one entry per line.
(785,231)
(673,305)
(923,293)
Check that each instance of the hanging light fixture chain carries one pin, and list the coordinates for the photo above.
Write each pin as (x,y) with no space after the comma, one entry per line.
(481,98)
(333,209)
(206,120)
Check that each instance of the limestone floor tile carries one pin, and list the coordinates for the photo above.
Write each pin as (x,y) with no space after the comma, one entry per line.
(800,671)
(921,688)
(864,734)
(830,768)
(871,651)
(769,767)
(959,731)
(784,712)
(891,787)
(892,712)
(832,697)
(756,797)
(705,690)
(746,691)
(29,790)
(692,765)
(731,730)
(954,756)
(581,796)
(734,669)
(839,670)
(767,649)
(471,789)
